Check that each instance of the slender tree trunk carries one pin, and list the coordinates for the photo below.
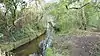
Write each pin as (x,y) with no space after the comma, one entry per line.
(84,20)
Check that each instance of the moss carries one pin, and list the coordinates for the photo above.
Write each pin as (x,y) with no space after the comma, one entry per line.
(49,52)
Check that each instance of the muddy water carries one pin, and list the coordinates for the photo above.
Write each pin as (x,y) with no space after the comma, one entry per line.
(30,47)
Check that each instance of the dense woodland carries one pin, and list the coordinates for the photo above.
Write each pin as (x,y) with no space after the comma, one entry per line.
(21,19)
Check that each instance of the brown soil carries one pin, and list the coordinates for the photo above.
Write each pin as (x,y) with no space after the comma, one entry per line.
(78,45)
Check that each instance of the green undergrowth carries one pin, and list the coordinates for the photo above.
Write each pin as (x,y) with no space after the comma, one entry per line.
(49,52)
(7,46)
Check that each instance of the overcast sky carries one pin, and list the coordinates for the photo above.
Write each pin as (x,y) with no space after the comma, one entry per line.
(47,1)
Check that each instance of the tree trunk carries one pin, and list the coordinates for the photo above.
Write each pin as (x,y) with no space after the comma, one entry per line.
(84,20)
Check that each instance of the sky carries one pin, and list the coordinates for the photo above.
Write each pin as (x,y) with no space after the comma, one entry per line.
(47,1)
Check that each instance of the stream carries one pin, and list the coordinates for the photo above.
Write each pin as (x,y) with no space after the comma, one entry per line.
(30,47)
(37,46)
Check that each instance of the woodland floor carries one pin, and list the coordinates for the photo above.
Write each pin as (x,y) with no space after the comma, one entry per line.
(83,45)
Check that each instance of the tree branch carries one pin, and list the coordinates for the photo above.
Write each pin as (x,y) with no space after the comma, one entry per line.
(97,7)
(76,7)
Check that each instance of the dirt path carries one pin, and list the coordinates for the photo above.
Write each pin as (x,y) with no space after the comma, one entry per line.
(86,46)
(78,45)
